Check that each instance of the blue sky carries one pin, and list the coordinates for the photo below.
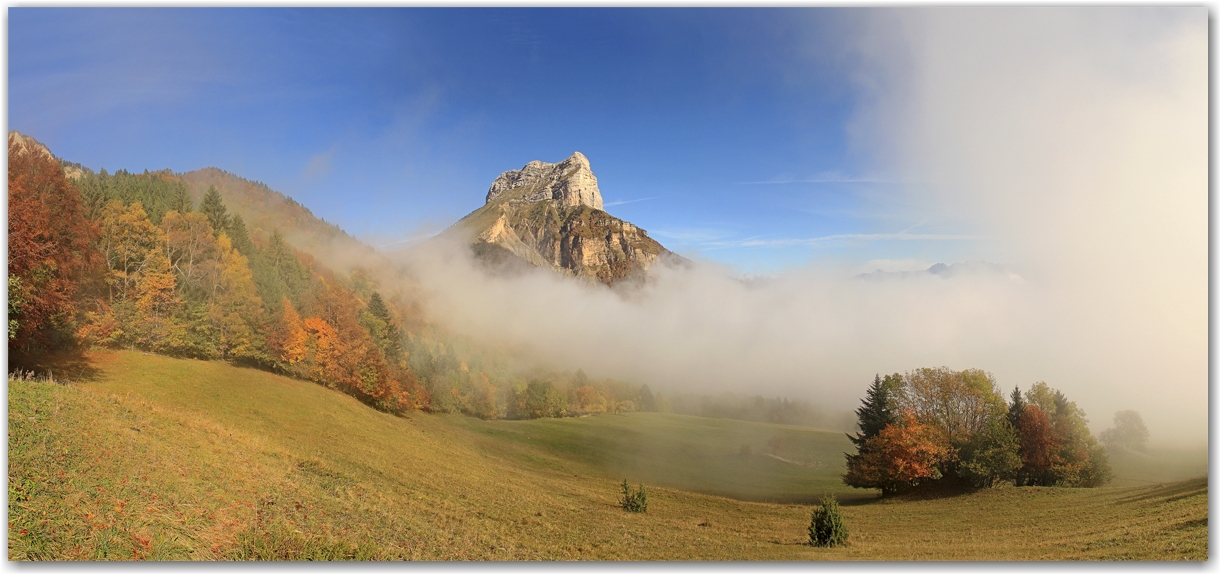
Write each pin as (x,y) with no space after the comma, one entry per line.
(725,133)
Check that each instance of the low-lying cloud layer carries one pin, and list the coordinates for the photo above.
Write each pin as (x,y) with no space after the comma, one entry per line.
(1072,142)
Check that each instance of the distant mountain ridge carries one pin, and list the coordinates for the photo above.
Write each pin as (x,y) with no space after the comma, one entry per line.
(550,215)
(943,271)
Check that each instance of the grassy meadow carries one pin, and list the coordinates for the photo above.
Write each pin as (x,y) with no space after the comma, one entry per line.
(147,457)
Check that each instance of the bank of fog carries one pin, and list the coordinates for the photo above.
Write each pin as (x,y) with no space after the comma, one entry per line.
(818,334)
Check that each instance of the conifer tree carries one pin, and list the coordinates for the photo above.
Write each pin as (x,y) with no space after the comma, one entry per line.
(389,337)
(179,200)
(1016,407)
(877,410)
(826,527)
(214,208)
(285,271)
(240,236)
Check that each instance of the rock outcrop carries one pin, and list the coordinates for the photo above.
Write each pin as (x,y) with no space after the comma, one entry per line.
(568,183)
(550,215)
(20,143)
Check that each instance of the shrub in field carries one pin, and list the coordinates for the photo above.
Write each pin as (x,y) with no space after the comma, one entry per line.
(634,501)
(827,528)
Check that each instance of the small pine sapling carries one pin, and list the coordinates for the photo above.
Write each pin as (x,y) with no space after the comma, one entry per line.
(827,528)
(634,501)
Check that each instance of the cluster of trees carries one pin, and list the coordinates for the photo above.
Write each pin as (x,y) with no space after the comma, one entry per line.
(461,380)
(934,423)
(129,261)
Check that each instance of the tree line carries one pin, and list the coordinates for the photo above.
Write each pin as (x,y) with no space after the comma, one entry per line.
(756,408)
(934,424)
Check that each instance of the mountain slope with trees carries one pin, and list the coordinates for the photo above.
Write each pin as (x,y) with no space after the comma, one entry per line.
(158,262)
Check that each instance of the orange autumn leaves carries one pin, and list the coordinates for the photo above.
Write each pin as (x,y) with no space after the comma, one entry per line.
(938,423)
(901,454)
(185,283)
(341,353)
(50,246)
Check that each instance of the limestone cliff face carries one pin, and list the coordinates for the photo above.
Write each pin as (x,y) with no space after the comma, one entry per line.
(550,215)
(568,183)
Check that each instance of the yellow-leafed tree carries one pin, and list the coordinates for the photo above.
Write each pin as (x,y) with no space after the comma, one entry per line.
(236,311)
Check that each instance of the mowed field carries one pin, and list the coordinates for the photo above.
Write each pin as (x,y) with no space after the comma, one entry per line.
(147,457)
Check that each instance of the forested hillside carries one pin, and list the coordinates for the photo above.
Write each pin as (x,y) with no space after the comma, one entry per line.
(147,261)
(266,210)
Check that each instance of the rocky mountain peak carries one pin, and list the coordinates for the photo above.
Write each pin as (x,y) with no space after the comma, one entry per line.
(569,183)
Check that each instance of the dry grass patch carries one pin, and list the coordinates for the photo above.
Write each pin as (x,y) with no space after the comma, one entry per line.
(157,458)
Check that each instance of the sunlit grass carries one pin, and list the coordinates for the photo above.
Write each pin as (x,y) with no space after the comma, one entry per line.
(157,458)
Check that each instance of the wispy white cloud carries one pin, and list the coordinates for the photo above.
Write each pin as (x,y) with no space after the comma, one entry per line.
(697,235)
(410,240)
(613,203)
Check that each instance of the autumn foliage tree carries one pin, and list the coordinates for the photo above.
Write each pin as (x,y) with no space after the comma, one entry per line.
(50,244)
(958,403)
(1074,457)
(900,456)
(127,239)
(236,311)
(1039,448)
(155,300)
(288,338)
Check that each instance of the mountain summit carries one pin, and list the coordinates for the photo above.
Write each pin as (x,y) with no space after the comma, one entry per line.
(568,183)
(550,215)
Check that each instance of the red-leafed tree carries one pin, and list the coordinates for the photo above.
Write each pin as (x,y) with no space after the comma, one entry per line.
(50,245)
(898,457)
(1039,448)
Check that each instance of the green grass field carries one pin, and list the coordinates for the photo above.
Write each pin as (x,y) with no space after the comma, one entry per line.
(147,457)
